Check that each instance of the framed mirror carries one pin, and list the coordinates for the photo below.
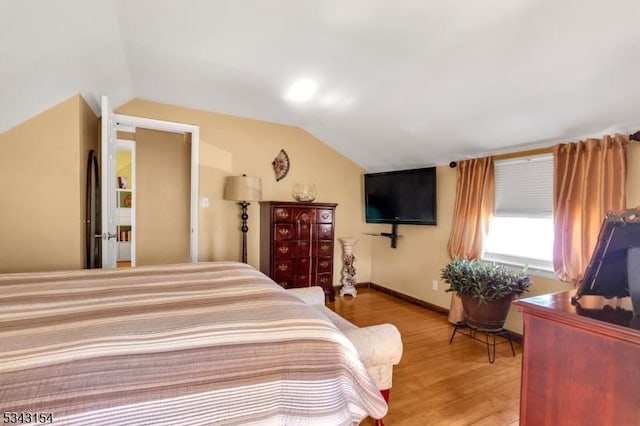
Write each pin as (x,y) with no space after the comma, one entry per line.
(92,213)
(614,269)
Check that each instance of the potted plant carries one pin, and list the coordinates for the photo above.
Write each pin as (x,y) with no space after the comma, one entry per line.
(486,290)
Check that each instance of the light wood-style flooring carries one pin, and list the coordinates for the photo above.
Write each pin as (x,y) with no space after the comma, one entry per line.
(437,383)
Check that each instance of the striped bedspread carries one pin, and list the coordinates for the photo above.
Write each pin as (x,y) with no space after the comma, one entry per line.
(195,344)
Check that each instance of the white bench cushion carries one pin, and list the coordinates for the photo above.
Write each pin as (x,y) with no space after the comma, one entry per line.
(379,346)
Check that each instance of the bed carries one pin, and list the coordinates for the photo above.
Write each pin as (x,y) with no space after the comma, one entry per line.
(196,344)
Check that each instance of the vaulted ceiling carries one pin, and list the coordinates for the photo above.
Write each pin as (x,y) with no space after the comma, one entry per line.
(390,84)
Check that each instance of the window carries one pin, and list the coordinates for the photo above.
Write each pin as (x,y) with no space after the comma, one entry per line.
(521,231)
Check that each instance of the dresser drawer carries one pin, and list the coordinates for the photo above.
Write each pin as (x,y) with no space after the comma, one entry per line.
(324,248)
(302,280)
(325,281)
(303,265)
(325,216)
(282,268)
(282,232)
(325,231)
(283,250)
(285,282)
(304,215)
(303,230)
(282,215)
(325,264)
(304,249)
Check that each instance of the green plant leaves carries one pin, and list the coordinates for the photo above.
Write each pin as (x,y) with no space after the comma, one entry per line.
(484,281)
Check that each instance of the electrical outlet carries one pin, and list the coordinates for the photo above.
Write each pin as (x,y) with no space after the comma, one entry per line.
(434,285)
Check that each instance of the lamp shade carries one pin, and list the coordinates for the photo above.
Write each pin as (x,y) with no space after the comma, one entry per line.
(243,188)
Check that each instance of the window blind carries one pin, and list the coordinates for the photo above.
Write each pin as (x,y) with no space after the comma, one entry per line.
(524,186)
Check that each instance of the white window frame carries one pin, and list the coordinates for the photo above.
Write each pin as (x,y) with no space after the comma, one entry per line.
(523,171)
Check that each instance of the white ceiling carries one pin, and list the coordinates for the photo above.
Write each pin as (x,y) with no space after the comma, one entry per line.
(399,84)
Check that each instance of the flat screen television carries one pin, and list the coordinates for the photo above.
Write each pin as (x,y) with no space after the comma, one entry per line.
(401,197)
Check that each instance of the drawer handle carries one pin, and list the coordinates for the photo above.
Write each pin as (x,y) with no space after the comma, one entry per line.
(325,215)
(283,267)
(283,249)
(323,280)
(283,214)
(324,247)
(283,231)
(324,264)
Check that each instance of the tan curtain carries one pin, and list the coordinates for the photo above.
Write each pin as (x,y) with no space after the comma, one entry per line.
(475,198)
(589,180)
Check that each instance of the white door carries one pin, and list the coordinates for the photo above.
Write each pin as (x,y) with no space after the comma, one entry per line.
(108,187)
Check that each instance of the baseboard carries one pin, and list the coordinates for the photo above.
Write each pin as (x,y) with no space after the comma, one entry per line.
(358,285)
(411,299)
(435,308)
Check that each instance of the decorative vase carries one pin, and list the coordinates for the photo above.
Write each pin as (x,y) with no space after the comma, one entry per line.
(348,270)
(304,192)
(486,316)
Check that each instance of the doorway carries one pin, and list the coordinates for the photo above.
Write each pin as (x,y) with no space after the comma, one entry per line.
(163,168)
(153,173)
(111,124)
(126,205)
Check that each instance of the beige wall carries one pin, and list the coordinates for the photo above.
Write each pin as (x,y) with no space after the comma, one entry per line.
(163,171)
(422,250)
(123,165)
(232,146)
(43,168)
(42,220)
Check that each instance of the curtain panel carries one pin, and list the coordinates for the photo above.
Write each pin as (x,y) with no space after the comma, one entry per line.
(475,198)
(589,181)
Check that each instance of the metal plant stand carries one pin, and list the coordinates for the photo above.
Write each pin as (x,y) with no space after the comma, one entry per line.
(489,338)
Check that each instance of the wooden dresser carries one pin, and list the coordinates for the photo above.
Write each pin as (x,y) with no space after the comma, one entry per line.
(296,244)
(581,363)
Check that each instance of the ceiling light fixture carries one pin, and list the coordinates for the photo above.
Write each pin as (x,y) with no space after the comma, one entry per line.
(302,90)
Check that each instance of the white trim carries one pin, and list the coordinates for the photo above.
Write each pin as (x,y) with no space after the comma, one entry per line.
(533,270)
(543,273)
(195,191)
(123,128)
(526,159)
(150,123)
(518,261)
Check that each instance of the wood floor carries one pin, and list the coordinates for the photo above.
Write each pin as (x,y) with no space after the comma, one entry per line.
(437,383)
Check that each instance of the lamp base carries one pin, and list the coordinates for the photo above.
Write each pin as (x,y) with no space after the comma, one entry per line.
(245,229)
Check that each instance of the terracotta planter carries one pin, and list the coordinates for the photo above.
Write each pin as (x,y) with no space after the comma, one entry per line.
(487,316)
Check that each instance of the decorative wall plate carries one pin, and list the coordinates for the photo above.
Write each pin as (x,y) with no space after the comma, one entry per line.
(281,165)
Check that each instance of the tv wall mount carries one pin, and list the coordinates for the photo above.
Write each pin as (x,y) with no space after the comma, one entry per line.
(393,235)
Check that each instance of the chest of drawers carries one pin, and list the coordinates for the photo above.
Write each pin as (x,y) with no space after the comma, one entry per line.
(296,244)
